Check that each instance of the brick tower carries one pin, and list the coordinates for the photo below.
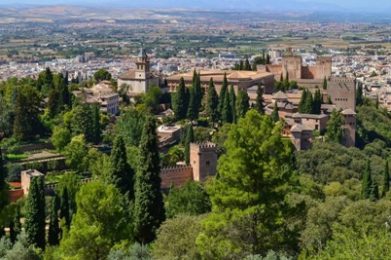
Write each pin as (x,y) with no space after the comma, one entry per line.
(203,160)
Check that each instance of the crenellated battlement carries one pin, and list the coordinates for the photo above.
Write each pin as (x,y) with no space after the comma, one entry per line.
(204,147)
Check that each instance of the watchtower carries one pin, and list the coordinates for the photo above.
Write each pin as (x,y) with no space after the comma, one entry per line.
(203,160)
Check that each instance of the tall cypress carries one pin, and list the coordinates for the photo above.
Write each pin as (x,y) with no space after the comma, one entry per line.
(198,94)
(64,207)
(324,83)
(212,102)
(247,65)
(366,182)
(148,206)
(122,173)
(274,115)
(259,101)
(15,227)
(374,191)
(180,107)
(188,140)
(232,99)
(35,213)
(54,228)
(317,102)
(223,93)
(96,128)
(226,113)
(303,99)
(3,186)
(359,95)
(386,179)
(242,104)
(192,109)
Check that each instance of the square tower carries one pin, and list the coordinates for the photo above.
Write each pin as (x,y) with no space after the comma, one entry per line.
(203,160)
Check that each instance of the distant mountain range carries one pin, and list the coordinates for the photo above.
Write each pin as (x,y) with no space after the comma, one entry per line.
(383,6)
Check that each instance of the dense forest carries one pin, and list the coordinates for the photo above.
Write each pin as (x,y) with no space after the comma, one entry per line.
(267,200)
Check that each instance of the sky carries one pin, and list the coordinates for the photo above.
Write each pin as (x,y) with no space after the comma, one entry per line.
(326,5)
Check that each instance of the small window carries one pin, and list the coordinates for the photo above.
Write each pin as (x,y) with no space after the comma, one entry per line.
(207,163)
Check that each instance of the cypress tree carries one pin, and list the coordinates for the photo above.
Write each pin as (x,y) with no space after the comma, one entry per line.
(286,81)
(149,207)
(226,113)
(189,139)
(386,179)
(54,228)
(3,186)
(317,103)
(309,103)
(96,128)
(35,213)
(274,115)
(359,95)
(223,93)
(53,103)
(212,103)
(64,207)
(281,78)
(324,83)
(374,192)
(241,65)
(180,108)
(367,182)
(302,101)
(191,111)
(198,94)
(247,65)
(122,173)
(242,104)
(232,99)
(259,101)
(15,227)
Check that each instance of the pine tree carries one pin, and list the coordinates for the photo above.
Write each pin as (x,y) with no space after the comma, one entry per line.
(259,101)
(386,179)
(180,107)
(54,228)
(223,93)
(188,140)
(35,213)
(334,132)
(232,99)
(367,182)
(64,207)
(149,208)
(212,103)
(226,113)
(122,174)
(242,104)
(274,115)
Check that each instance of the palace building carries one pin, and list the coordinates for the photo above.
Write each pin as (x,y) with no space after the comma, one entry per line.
(241,80)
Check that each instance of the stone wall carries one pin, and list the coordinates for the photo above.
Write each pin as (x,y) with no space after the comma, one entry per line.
(175,176)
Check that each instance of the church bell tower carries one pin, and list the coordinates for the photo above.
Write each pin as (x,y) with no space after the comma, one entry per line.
(142,64)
